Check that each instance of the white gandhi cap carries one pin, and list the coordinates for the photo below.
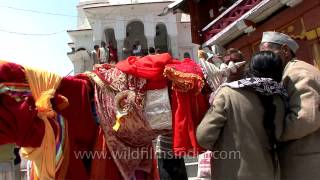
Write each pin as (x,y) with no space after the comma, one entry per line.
(280,38)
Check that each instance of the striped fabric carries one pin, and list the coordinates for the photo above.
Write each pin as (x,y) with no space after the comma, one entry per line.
(16,90)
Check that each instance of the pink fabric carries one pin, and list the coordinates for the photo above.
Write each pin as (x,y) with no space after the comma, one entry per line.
(129,158)
(105,168)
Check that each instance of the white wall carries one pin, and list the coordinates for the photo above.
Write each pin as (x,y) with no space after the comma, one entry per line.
(83,22)
(185,40)
(84,41)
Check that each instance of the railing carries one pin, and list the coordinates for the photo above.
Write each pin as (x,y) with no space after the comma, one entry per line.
(230,15)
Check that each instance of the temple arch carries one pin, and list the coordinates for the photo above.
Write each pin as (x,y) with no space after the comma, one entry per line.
(134,33)
(161,37)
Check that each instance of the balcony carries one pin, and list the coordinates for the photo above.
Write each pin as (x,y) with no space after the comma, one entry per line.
(241,18)
(232,14)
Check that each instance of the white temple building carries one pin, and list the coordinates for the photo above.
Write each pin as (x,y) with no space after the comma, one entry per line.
(123,22)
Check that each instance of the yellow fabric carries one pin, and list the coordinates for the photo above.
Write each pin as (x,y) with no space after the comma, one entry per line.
(2,62)
(43,85)
(118,121)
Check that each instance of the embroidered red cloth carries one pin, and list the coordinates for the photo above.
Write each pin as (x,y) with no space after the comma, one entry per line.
(186,75)
(128,157)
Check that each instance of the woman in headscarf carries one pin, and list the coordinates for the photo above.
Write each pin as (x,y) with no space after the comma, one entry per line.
(241,126)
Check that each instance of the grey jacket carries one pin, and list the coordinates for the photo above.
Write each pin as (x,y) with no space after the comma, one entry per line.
(233,128)
(300,153)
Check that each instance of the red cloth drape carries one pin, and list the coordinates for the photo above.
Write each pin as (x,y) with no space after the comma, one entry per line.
(104,167)
(19,123)
(148,67)
(188,105)
(188,110)
(81,124)
(18,119)
(11,72)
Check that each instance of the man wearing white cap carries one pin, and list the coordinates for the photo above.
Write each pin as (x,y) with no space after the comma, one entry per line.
(299,155)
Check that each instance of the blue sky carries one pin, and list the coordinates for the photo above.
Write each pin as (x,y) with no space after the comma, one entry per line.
(46,52)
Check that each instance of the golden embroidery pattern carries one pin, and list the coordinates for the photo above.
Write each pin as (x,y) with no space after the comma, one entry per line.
(184,82)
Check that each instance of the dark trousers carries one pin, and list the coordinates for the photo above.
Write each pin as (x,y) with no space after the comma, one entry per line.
(172,169)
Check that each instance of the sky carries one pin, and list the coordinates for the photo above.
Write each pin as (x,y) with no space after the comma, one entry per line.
(48,52)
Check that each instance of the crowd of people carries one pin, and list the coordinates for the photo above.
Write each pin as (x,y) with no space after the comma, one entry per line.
(266,108)
(108,54)
(104,54)
(270,115)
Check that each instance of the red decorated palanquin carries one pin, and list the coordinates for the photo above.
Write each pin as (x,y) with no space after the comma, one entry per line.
(240,23)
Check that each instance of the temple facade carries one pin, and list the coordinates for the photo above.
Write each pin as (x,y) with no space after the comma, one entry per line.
(125,22)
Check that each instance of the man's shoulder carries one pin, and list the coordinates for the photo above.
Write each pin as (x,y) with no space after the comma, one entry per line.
(297,70)
(233,93)
(299,64)
(300,68)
